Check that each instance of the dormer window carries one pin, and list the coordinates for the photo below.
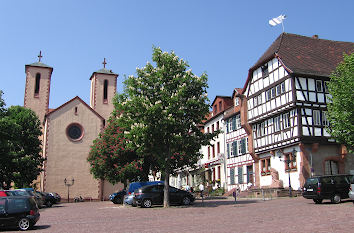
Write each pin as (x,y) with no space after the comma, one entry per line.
(37,85)
(105,91)
(237,102)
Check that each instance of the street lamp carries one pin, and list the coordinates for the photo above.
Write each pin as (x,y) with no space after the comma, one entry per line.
(289,160)
(67,184)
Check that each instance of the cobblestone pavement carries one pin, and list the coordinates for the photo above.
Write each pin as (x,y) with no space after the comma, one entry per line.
(214,215)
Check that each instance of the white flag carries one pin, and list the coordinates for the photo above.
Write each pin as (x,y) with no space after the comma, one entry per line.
(278,20)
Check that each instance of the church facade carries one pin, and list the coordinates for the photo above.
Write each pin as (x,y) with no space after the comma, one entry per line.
(69,131)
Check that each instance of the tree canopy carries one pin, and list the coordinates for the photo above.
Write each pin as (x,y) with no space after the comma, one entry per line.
(163,108)
(20,146)
(112,159)
(341,105)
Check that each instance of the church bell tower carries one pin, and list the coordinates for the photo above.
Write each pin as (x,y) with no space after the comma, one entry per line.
(103,89)
(37,90)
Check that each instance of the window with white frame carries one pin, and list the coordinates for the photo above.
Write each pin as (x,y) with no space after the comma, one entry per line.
(239,149)
(277,123)
(325,86)
(238,121)
(263,128)
(255,101)
(324,119)
(268,95)
(283,87)
(316,117)
(286,120)
(259,97)
(237,102)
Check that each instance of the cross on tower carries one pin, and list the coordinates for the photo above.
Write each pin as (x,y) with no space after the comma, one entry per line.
(40,56)
(104,62)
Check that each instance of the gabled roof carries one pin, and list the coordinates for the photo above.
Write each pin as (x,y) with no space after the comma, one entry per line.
(51,111)
(307,55)
(304,55)
(236,91)
(226,98)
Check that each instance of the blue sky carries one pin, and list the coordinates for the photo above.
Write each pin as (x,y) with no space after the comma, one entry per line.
(222,38)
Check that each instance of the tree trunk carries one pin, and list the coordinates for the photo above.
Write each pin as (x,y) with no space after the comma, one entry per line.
(166,196)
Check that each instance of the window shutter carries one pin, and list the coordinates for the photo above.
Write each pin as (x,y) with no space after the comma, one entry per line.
(243,146)
(233,123)
(232,175)
(234,147)
(240,175)
(228,150)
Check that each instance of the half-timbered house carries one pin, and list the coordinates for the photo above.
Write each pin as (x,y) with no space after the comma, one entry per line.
(213,156)
(239,161)
(286,93)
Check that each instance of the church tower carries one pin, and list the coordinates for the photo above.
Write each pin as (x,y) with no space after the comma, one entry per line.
(37,89)
(103,89)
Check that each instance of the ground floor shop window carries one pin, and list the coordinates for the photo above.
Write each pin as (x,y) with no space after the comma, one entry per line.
(265,165)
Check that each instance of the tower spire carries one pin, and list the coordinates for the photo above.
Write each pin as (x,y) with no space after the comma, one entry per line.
(40,56)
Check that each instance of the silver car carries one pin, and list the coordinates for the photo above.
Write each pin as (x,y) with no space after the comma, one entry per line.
(351,189)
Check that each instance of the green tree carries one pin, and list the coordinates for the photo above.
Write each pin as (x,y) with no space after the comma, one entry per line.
(165,106)
(341,105)
(111,158)
(21,161)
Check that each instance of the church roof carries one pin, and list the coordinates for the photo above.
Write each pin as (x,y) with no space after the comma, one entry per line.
(39,64)
(73,99)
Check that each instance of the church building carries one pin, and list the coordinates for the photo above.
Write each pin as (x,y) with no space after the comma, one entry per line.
(69,131)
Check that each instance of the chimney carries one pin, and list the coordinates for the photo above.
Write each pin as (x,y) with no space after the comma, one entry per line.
(315,36)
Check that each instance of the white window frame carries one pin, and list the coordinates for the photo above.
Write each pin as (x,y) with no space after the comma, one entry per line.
(325,121)
(316,117)
(238,121)
(237,102)
(286,120)
(277,124)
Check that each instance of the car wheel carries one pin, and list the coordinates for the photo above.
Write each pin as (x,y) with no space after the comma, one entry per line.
(24,224)
(49,204)
(146,203)
(336,199)
(318,201)
(117,200)
(186,201)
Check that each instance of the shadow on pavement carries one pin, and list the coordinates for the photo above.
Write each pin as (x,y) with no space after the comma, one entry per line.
(220,202)
(40,227)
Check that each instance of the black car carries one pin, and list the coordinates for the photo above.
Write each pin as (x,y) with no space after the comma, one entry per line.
(20,211)
(117,198)
(333,187)
(153,195)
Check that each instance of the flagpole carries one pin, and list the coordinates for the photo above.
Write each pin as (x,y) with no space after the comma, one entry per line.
(282,24)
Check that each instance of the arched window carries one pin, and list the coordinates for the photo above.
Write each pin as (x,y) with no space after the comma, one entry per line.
(105,87)
(37,84)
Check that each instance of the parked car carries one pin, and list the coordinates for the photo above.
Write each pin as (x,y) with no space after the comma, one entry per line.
(49,200)
(117,198)
(3,193)
(20,211)
(351,188)
(56,196)
(150,195)
(126,197)
(333,187)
